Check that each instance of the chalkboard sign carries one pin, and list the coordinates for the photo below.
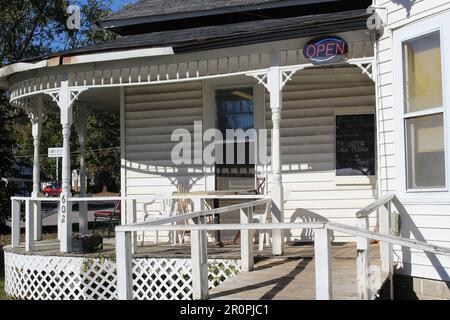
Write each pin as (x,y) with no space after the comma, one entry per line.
(355,145)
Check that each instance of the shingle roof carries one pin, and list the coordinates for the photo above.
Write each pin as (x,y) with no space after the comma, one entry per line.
(147,8)
(204,38)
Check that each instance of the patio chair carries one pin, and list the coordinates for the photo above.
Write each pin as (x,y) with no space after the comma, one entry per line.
(168,209)
(108,215)
(262,217)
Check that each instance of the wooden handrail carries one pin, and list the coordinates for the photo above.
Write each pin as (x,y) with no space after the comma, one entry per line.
(395,240)
(196,214)
(365,212)
(205,196)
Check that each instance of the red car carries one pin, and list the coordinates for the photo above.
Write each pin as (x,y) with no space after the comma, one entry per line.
(52,190)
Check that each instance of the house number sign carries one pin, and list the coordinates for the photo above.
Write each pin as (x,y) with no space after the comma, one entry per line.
(63,209)
(326,50)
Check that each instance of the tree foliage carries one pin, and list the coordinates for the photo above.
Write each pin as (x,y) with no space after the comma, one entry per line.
(30,29)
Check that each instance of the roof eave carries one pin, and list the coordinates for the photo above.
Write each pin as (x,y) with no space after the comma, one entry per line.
(18,67)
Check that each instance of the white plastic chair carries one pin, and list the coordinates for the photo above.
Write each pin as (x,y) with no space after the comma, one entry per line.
(168,209)
(262,217)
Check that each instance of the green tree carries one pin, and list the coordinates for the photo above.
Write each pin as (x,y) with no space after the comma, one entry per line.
(104,156)
(29,29)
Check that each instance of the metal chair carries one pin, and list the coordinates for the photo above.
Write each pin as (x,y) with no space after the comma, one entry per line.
(108,215)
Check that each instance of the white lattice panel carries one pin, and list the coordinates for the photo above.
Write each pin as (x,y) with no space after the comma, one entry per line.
(35,277)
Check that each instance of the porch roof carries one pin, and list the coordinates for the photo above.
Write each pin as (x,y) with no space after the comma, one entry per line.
(222,36)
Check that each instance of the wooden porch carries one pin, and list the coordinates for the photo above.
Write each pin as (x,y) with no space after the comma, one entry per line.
(287,277)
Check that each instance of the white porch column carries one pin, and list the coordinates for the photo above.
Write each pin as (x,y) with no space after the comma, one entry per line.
(83,206)
(274,85)
(65,97)
(65,214)
(36,121)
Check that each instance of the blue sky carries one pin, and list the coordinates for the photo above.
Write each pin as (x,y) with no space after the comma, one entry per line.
(117,4)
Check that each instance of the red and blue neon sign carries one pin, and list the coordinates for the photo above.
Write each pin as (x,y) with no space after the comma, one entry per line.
(326,50)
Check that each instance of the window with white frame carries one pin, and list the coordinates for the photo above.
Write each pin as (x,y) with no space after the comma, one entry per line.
(423,112)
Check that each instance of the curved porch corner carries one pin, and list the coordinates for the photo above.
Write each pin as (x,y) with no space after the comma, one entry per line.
(48,275)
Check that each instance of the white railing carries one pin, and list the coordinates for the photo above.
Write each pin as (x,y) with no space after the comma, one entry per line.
(33,226)
(386,223)
(322,246)
(124,243)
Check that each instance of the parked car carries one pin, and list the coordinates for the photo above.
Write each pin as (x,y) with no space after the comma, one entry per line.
(52,190)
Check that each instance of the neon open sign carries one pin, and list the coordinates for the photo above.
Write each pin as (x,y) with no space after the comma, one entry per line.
(326,50)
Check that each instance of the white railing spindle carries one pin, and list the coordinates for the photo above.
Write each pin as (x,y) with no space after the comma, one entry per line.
(15,223)
(29,225)
(363,261)
(322,260)
(129,218)
(385,219)
(199,256)
(387,249)
(124,266)
(247,241)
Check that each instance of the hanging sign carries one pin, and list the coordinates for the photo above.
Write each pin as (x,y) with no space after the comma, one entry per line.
(326,50)
(55,152)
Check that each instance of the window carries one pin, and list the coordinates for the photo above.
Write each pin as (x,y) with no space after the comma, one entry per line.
(424,113)
(355,145)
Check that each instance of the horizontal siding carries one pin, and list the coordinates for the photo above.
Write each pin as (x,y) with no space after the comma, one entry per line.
(427,222)
(151,115)
(308,141)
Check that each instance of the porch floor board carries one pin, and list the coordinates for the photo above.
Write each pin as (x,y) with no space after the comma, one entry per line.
(293,277)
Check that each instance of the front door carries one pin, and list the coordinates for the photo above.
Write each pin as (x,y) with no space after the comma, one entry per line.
(234,117)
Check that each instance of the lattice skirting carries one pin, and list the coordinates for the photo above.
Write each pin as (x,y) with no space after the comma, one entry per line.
(34,277)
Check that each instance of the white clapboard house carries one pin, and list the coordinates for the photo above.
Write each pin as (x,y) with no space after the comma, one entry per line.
(355,100)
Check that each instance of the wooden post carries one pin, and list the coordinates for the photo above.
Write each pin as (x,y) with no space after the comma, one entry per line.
(363,261)
(65,217)
(15,223)
(274,85)
(59,221)
(385,228)
(36,122)
(386,249)
(322,259)
(129,218)
(247,241)
(124,266)
(83,206)
(29,225)
(199,256)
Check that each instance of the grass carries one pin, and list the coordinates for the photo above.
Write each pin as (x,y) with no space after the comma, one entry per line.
(3,295)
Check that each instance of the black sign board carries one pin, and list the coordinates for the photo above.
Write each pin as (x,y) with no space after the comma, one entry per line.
(355,145)
(326,50)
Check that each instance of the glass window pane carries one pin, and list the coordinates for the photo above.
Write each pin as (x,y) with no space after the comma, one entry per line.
(423,72)
(425,152)
(234,109)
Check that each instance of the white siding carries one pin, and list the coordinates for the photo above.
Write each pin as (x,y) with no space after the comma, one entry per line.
(308,141)
(431,221)
(151,115)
